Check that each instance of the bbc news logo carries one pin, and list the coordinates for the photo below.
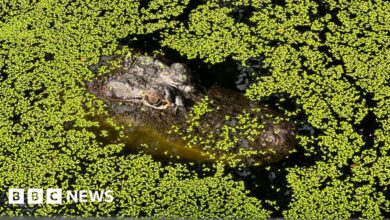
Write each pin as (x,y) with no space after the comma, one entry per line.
(55,196)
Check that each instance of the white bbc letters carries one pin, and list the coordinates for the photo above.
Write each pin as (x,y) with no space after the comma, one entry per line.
(35,196)
(54,196)
(15,196)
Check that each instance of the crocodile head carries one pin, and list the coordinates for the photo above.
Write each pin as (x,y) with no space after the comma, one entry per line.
(152,83)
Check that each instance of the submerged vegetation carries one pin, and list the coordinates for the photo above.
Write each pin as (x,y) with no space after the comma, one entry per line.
(330,58)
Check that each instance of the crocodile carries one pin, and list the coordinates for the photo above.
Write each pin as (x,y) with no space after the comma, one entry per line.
(159,95)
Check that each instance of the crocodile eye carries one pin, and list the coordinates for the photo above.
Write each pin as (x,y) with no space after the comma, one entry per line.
(155,101)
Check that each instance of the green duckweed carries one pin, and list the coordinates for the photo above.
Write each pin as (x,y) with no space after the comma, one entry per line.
(330,57)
